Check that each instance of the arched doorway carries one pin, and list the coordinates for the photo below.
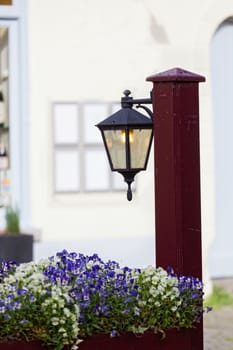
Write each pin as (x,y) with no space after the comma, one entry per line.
(221,259)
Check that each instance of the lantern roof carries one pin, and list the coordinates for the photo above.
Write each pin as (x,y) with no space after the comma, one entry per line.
(126,117)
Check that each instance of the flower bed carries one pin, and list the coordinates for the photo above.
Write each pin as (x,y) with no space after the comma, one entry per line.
(69,297)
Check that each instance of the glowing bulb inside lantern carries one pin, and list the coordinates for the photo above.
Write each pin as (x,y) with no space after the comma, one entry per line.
(131,136)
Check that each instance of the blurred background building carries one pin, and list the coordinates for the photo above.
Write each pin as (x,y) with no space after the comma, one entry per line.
(63,67)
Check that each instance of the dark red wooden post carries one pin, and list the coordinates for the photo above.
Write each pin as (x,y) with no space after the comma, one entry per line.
(177,176)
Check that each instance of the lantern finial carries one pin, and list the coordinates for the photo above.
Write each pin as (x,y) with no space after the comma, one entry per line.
(129,192)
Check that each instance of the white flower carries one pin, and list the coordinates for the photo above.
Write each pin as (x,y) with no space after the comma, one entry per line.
(74,347)
(61,303)
(55,321)
(2,309)
(66,312)
(153,291)
(77,309)
(155,279)
(61,330)
(90,264)
(160,288)
(43,262)
(149,270)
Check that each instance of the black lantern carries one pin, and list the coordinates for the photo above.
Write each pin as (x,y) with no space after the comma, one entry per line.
(127,136)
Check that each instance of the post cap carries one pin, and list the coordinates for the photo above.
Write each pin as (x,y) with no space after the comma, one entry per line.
(176,74)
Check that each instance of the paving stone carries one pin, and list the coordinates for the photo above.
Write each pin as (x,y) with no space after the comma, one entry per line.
(218,324)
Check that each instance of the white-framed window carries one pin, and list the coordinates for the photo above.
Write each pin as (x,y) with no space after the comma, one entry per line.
(10,114)
(14,181)
(80,160)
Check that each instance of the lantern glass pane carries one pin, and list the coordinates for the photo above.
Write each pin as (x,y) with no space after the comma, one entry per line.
(139,140)
(115,141)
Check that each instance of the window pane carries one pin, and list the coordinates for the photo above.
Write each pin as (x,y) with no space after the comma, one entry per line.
(66,171)
(65,123)
(92,115)
(96,170)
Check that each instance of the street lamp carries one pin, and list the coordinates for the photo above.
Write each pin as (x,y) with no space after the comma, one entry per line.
(127,136)
(175,98)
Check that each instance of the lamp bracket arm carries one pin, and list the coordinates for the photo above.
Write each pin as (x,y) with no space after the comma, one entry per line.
(127,102)
(150,113)
(145,101)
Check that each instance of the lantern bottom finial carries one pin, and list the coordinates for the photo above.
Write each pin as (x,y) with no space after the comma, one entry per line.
(129,192)
(129,178)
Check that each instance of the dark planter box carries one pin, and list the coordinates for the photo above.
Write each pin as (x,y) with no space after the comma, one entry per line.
(18,345)
(17,247)
(174,340)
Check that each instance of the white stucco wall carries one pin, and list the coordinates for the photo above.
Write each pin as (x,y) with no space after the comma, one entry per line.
(92,50)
